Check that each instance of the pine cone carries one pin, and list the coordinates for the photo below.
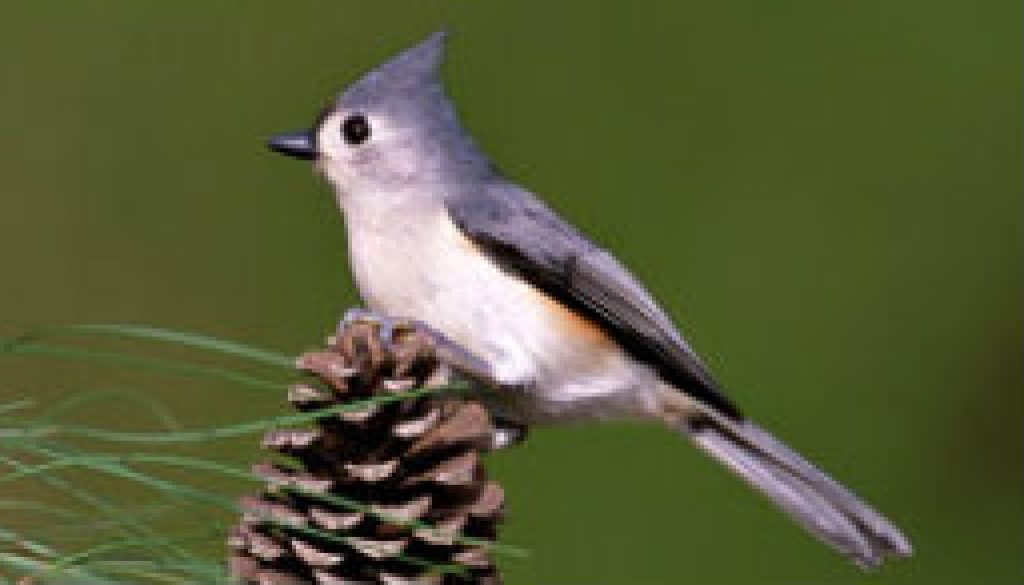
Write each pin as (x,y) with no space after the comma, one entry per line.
(390,493)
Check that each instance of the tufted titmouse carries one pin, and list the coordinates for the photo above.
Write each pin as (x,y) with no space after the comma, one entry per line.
(437,234)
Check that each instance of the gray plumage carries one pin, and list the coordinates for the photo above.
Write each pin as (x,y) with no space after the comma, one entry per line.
(523,235)
(437,234)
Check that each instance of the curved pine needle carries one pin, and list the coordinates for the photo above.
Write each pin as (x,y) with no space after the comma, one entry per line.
(16,405)
(156,408)
(78,530)
(127,359)
(38,508)
(82,557)
(179,573)
(127,520)
(36,565)
(114,465)
(31,566)
(188,339)
(199,435)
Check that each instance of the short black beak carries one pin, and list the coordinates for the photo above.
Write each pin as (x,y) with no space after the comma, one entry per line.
(295,144)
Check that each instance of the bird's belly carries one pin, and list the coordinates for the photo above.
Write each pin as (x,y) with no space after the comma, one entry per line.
(560,364)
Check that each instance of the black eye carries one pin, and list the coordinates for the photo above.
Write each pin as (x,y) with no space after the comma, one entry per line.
(355,129)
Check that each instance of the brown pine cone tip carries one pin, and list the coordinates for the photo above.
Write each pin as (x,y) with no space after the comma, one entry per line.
(391,493)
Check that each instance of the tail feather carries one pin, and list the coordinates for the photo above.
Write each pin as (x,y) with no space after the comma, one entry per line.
(824,508)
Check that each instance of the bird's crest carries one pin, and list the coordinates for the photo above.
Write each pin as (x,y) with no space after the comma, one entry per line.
(405,76)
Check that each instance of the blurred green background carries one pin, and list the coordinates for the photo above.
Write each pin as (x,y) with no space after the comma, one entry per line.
(826,195)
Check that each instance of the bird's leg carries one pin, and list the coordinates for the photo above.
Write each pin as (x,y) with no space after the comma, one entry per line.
(507,433)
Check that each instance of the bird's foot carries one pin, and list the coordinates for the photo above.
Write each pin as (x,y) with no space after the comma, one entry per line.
(393,336)
(391,330)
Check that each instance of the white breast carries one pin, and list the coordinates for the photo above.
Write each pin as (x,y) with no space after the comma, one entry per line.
(418,265)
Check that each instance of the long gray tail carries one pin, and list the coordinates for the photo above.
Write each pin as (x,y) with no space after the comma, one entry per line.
(826,509)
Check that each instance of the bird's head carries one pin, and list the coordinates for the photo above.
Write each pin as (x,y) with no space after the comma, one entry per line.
(392,130)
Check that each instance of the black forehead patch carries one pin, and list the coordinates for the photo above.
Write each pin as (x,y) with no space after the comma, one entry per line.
(324,113)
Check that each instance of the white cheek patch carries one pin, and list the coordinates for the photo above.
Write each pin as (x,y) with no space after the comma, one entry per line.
(387,157)
(328,138)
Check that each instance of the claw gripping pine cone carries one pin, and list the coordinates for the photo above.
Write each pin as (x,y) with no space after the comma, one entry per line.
(391,493)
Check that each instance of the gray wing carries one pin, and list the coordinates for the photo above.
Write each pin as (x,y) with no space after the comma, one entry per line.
(527,238)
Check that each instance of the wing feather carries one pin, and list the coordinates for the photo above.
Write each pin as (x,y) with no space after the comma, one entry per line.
(527,238)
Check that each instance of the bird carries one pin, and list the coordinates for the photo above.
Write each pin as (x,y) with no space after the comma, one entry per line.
(559,328)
